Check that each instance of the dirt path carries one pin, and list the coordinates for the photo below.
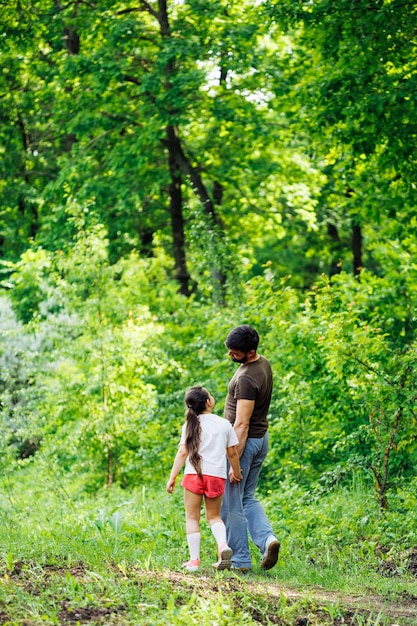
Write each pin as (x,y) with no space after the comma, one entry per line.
(405,610)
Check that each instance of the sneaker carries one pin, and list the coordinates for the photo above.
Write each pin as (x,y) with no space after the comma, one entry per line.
(191,566)
(270,556)
(225,558)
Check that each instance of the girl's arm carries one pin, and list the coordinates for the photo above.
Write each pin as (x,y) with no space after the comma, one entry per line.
(176,468)
(235,473)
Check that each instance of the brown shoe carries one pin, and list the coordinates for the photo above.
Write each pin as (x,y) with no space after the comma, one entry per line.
(271,555)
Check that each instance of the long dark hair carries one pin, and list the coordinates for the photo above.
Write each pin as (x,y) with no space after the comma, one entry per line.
(195,400)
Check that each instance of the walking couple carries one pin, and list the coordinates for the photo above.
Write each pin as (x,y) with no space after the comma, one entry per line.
(207,440)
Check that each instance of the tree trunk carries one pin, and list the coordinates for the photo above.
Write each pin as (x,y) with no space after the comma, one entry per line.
(72,41)
(357,249)
(177,222)
(27,208)
(335,264)
(179,164)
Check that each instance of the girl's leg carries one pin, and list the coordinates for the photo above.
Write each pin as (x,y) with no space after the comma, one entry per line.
(192,503)
(213,506)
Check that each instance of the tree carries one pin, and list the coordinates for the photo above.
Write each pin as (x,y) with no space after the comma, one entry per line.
(231,135)
(152,116)
(356,76)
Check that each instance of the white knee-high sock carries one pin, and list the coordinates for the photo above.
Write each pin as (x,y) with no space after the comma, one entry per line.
(219,531)
(194,545)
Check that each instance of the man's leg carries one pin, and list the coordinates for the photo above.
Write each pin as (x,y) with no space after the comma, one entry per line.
(235,521)
(259,526)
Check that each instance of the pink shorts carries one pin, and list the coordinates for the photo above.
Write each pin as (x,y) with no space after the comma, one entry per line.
(210,486)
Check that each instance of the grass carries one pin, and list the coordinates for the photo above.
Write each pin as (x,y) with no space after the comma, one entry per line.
(113,558)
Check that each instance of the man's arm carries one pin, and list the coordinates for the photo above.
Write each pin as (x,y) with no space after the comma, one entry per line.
(235,473)
(244,410)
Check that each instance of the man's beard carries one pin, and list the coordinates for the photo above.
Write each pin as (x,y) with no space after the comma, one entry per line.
(245,358)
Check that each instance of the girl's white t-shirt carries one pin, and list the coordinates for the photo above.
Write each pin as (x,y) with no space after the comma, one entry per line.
(217,434)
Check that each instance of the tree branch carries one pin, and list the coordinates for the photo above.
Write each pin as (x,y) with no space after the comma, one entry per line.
(145,6)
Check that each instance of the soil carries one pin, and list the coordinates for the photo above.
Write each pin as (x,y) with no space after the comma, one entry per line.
(353,605)
(311,604)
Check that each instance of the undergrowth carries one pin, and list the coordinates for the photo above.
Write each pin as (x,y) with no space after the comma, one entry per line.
(68,557)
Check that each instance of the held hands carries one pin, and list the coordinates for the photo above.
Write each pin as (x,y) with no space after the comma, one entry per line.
(235,471)
(235,477)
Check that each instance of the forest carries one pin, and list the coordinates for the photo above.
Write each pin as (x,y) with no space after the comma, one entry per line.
(171,169)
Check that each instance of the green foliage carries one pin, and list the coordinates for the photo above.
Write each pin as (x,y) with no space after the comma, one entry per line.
(295,132)
(347,390)
(19,394)
(113,557)
(119,347)
(96,357)
(293,126)
(29,278)
(353,72)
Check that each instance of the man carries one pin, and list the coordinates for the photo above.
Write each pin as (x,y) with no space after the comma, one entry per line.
(246,407)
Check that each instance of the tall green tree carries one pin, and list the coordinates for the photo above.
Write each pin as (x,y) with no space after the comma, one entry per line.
(157,117)
(231,135)
(355,97)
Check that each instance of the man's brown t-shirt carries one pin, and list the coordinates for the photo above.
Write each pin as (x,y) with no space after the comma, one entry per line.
(251,381)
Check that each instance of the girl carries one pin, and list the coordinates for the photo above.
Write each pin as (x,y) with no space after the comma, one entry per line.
(205,441)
